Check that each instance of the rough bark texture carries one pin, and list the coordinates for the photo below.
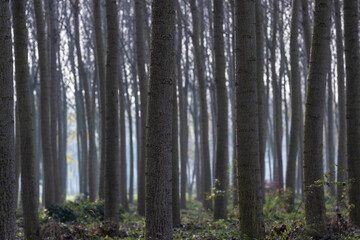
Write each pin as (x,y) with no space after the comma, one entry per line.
(159,145)
(261,91)
(296,103)
(111,111)
(27,139)
(222,142)
(247,120)
(342,163)
(306,27)
(48,163)
(352,58)
(314,116)
(140,61)
(7,161)
(100,61)
(204,123)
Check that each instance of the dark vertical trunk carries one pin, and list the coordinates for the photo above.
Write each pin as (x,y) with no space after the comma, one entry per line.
(314,116)
(159,143)
(7,161)
(27,136)
(247,133)
(352,58)
(112,126)
(175,162)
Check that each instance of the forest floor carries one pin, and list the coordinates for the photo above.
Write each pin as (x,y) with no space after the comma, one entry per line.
(80,219)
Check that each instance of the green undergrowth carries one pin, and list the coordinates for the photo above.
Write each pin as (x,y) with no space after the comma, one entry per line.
(81,219)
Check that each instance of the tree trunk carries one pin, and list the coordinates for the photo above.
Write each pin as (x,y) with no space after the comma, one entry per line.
(314,116)
(175,163)
(7,161)
(352,58)
(140,60)
(204,126)
(48,161)
(222,142)
(296,104)
(111,111)
(100,61)
(159,144)
(251,221)
(342,163)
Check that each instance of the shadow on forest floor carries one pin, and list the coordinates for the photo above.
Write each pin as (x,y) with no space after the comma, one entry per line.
(81,219)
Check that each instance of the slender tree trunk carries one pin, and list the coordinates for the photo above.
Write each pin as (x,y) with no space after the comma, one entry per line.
(204,126)
(251,221)
(222,142)
(314,116)
(140,60)
(342,163)
(352,58)
(100,61)
(7,161)
(111,111)
(160,113)
(306,27)
(123,167)
(175,163)
(48,161)
(296,104)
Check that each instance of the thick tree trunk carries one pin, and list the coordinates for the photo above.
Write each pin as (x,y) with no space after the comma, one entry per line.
(222,142)
(251,221)
(352,58)
(27,137)
(175,163)
(7,161)
(140,61)
(48,161)
(159,122)
(111,111)
(314,116)
(204,126)
(342,163)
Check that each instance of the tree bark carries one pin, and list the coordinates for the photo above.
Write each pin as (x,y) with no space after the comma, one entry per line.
(159,122)
(48,161)
(222,142)
(314,116)
(7,161)
(342,162)
(175,163)
(204,126)
(111,111)
(352,58)
(247,119)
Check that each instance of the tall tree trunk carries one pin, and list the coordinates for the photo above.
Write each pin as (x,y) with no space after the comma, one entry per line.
(140,61)
(159,122)
(7,161)
(314,116)
(204,126)
(27,137)
(100,61)
(342,163)
(89,113)
(222,142)
(175,162)
(123,167)
(296,104)
(182,111)
(111,111)
(352,58)
(306,27)
(48,161)
(251,221)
